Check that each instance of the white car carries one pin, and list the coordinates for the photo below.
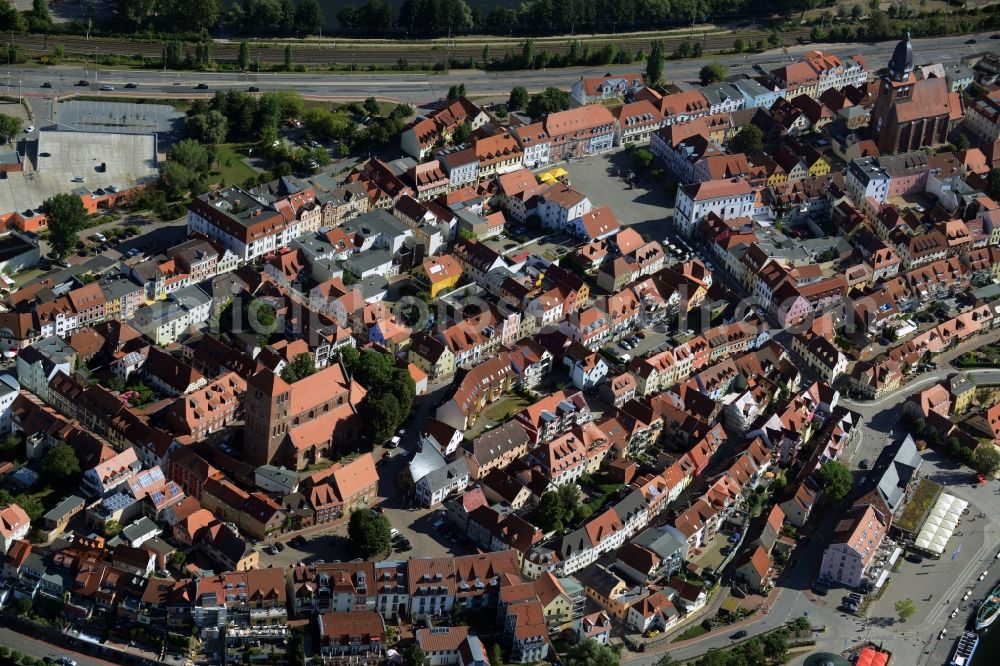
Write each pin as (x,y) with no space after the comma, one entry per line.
(393,533)
(29,129)
(100,238)
(108,88)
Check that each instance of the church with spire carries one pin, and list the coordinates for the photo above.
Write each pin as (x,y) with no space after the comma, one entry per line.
(911,113)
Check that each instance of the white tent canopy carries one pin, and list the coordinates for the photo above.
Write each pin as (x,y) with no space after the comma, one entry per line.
(940,524)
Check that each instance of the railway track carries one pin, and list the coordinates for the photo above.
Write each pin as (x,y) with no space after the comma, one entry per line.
(377,53)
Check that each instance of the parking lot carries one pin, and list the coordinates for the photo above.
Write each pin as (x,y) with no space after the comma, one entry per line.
(647,207)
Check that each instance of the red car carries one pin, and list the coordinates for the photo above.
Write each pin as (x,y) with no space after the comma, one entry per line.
(981,478)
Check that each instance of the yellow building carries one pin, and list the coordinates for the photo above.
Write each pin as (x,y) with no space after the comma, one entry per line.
(557,604)
(819,167)
(439,274)
(432,356)
(962,392)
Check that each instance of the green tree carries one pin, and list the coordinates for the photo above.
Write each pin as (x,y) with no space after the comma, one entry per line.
(775,645)
(210,127)
(712,73)
(456,91)
(666,660)
(496,655)
(12,448)
(905,608)
(518,98)
(486,55)
(31,505)
(654,63)
(993,183)
(59,463)
(986,459)
(413,655)
(112,528)
(288,57)
(372,107)
(9,127)
(461,134)
(591,653)
(178,558)
(528,54)
(192,155)
(748,140)
(309,16)
(300,367)
(549,100)
(243,60)
(263,318)
(836,481)
(962,142)
(642,159)
(740,45)
(40,9)
(856,12)
(384,414)
(369,533)
(66,217)
(350,357)
(549,514)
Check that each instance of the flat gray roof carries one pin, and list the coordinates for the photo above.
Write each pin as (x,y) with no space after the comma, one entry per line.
(130,160)
(120,117)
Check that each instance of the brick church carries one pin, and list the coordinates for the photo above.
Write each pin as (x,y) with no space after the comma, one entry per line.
(911,113)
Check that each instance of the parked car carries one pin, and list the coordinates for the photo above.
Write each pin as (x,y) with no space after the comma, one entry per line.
(913,557)
(734,537)
(297,542)
(29,129)
(863,464)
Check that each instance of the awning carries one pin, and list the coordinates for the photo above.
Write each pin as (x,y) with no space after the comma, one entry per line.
(940,524)
(546,177)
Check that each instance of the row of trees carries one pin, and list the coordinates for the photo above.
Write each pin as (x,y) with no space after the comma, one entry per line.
(549,100)
(984,459)
(547,16)
(250,17)
(390,390)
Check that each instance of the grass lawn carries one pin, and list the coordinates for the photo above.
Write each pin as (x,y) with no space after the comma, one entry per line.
(229,164)
(694,631)
(505,407)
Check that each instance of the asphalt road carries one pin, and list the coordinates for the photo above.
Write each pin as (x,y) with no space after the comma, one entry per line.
(421,88)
